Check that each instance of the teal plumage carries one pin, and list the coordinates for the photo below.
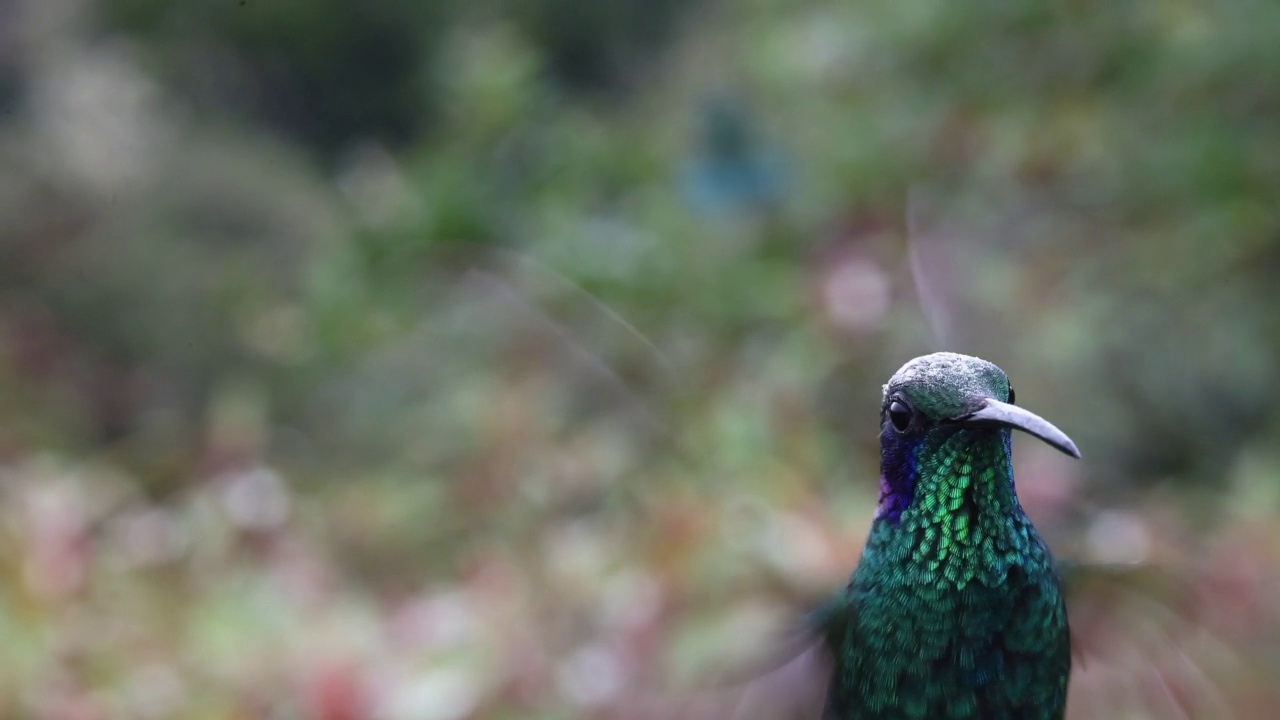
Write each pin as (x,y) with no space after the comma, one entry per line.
(955,610)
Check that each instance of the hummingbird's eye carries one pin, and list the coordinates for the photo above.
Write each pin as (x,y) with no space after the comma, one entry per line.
(1011,400)
(899,415)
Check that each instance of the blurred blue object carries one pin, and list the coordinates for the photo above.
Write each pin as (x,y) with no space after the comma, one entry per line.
(731,170)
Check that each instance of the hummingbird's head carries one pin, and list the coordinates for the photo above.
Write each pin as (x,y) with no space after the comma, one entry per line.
(945,423)
(948,390)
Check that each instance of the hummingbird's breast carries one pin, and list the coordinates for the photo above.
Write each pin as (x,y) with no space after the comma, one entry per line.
(941,632)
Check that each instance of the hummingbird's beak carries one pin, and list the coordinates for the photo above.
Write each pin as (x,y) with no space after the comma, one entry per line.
(994,412)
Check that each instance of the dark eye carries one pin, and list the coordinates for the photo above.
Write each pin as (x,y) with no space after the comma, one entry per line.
(1011,401)
(899,415)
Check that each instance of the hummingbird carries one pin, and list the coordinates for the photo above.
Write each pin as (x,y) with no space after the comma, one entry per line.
(955,610)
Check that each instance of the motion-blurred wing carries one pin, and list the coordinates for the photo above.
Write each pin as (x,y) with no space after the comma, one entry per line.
(981,265)
(1158,642)
(788,683)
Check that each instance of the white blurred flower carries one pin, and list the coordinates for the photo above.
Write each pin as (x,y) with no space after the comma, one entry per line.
(149,537)
(577,551)
(370,178)
(856,294)
(631,599)
(1119,537)
(155,691)
(441,694)
(100,114)
(56,530)
(256,499)
(592,676)
(444,620)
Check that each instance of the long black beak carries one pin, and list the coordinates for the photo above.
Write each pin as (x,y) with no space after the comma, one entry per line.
(994,412)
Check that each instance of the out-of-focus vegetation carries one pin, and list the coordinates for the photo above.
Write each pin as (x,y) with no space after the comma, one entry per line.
(444,360)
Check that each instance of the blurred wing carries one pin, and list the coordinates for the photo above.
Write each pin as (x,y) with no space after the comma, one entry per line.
(1151,642)
(502,309)
(789,683)
(981,264)
(937,254)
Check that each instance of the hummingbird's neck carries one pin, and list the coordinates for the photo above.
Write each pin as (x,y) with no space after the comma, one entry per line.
(947,472)
(948,513)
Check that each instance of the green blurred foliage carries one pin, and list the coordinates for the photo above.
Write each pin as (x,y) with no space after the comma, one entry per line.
(319,71)
(396,353)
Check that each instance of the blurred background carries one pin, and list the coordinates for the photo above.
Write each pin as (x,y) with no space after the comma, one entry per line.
(399,360)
